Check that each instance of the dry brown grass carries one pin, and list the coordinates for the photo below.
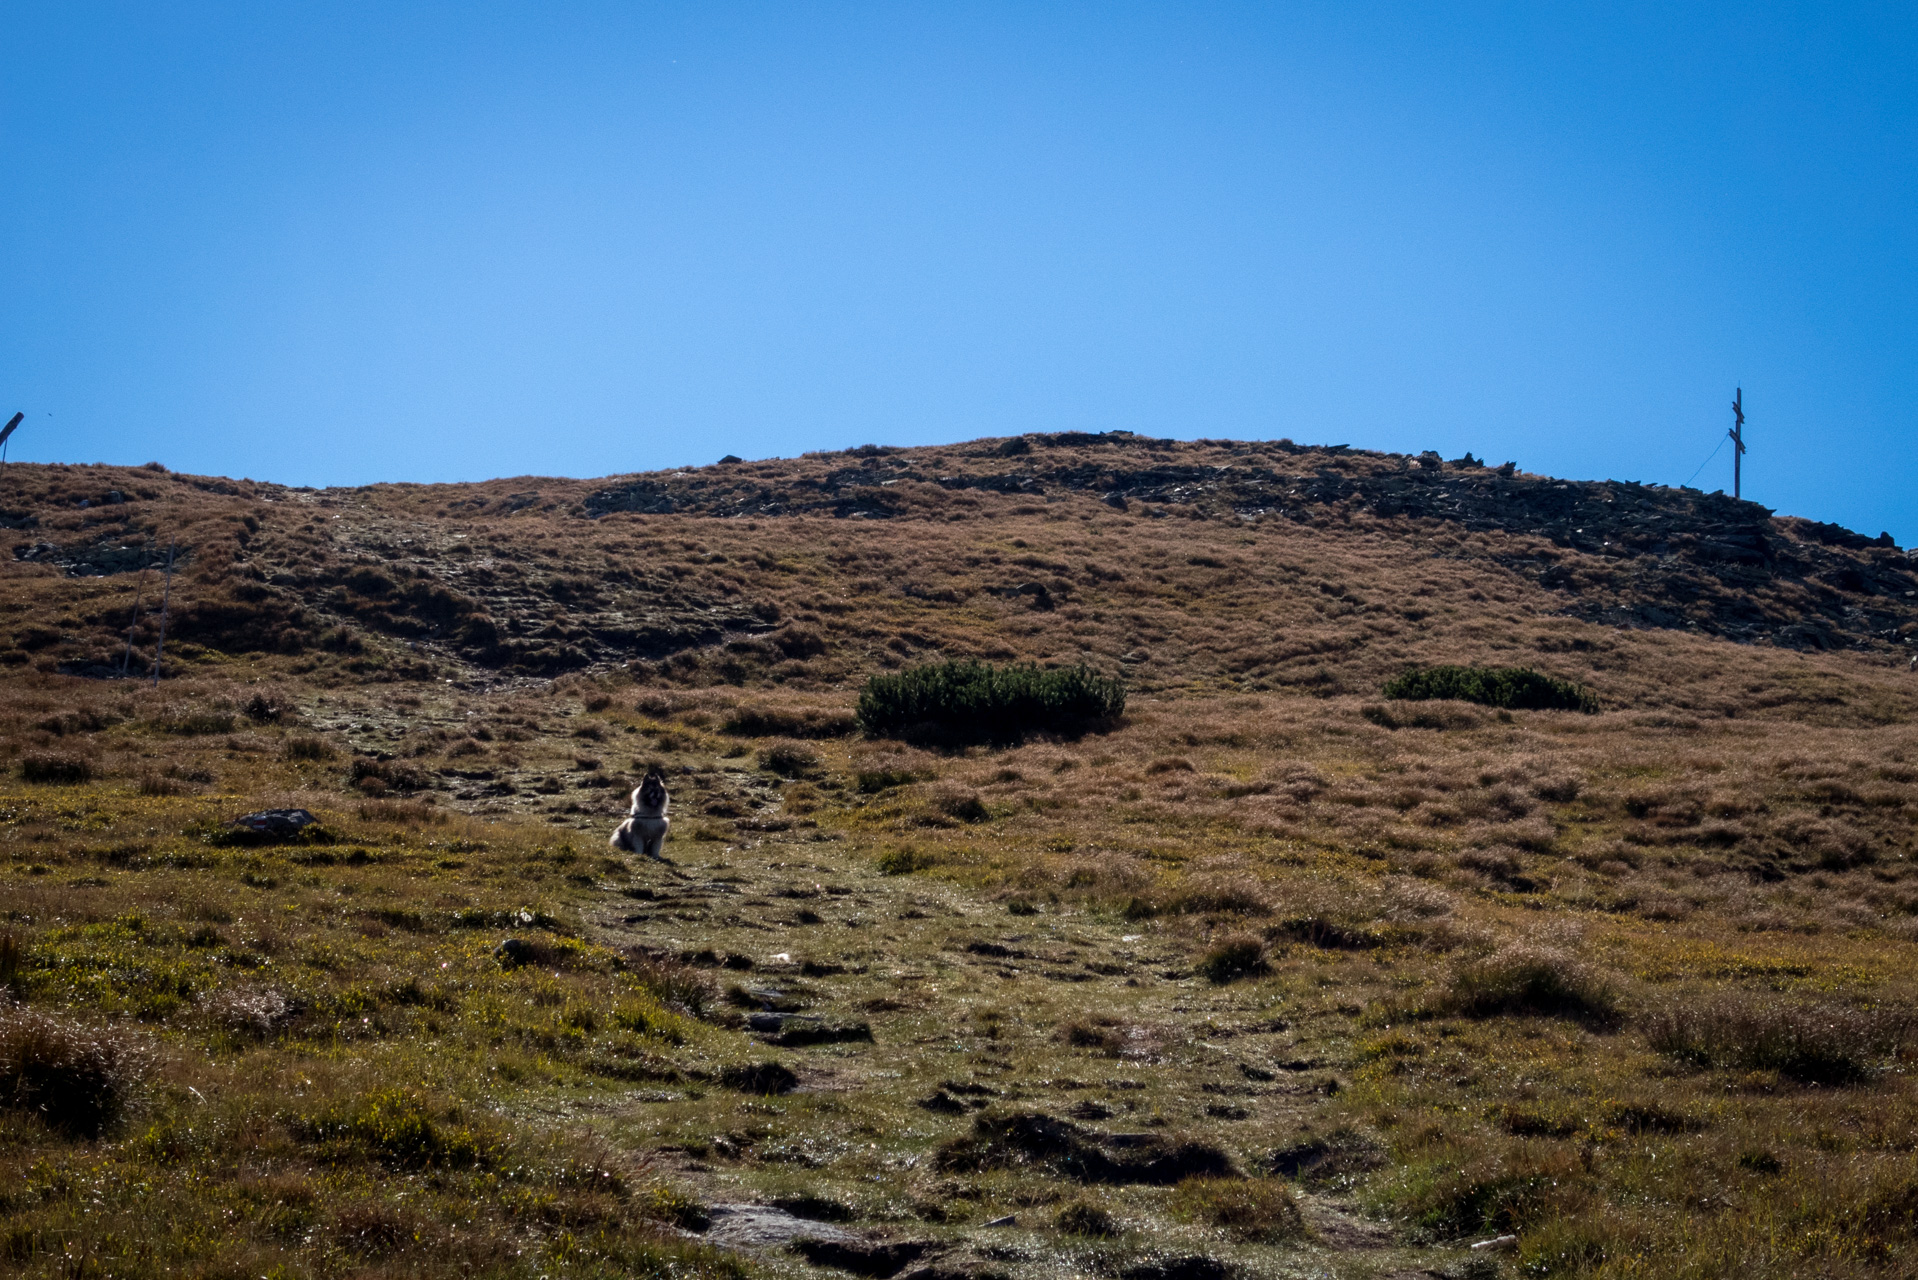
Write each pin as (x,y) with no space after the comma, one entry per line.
(1631,985)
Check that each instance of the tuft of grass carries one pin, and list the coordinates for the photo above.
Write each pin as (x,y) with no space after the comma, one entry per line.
(1490,1193)
(55,768)
(13,964)
(1260,1211)
(1235,956)
(1511,688)
(675,985)
(675,1208)
(308,747)
(761,1078)
(779,722)
(789,760)
(1080,1218)
(978,702)
(903,861)
(1811,1043)
(1532,980)
(76,1079)
(400,1128)
(376,777)
(195,724)
(1097,1034)
(959,804)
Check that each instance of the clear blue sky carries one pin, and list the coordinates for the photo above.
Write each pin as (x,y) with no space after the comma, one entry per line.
(335,243)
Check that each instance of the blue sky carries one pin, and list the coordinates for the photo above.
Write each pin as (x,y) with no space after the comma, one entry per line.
(354,242)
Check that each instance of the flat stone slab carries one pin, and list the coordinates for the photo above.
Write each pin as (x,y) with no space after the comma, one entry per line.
(760,1226)
(275,822)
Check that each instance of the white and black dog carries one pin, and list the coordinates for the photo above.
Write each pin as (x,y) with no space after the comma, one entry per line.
(644,831)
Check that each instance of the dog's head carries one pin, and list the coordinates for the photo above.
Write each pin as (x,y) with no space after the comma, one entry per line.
(652,791)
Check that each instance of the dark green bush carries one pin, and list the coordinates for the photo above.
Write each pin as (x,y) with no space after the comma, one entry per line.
(1514,688)
(978,702)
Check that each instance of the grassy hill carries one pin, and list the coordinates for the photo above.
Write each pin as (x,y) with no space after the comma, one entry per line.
(1274,975)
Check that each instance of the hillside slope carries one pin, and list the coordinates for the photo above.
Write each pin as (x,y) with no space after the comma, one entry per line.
(1272,976)
(542,576)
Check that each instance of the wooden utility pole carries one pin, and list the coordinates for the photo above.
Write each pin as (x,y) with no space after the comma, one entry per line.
(165,596)
(1737,433)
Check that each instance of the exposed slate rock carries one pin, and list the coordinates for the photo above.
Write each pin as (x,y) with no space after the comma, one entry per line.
(1086,1155)
(861,1257)
(96,559)
(1186,1267)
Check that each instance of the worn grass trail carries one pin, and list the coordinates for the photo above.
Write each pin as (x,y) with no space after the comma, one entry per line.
(976,1014)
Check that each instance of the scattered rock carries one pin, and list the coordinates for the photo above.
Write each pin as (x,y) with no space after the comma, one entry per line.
(1189,1267)
(815,1208)
(276,822)
(799,1034)
(1030,1137)
(1319,1161)
(758,1226)
(861,1257)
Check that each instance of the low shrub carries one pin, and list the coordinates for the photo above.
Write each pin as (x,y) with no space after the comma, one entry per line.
(1235,956)
(1531,980)
(1808,1042)
(1512,688)
(76,1079)
(56,769)
(978,702)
